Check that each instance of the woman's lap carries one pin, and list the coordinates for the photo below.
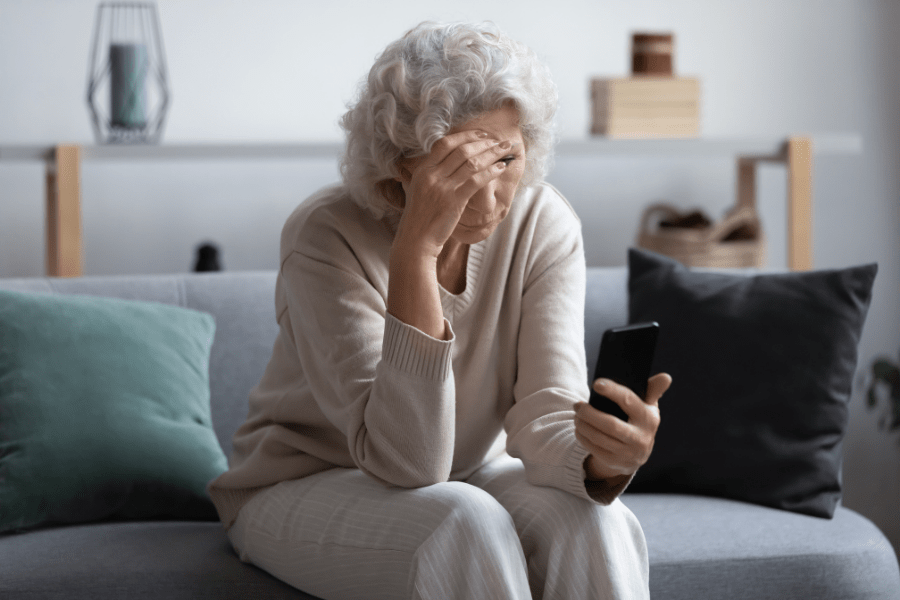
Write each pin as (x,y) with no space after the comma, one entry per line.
(347,507)
(340,532)
(574,548)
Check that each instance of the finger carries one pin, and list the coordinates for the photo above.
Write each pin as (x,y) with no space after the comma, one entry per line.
(467,188)
(589,418)
(657,386)
(620,394)
(470,159)
(449,144)
(598,444)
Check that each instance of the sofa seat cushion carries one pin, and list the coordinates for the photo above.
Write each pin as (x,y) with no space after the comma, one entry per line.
(702,547)
(699,547)
(152,559)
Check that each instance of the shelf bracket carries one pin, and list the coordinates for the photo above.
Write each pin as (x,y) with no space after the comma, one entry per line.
(799,172)
(64,244)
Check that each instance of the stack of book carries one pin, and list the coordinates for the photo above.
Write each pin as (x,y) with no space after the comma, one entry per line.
(646,106)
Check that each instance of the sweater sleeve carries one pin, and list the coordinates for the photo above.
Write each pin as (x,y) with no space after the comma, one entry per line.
(387,385)
(552,372)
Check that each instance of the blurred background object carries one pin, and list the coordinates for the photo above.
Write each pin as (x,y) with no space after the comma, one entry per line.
(127,63)
(653,102)
(652,54)
(694,240)
(207,258)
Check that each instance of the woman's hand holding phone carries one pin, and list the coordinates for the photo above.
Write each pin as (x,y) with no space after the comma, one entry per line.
(618,448)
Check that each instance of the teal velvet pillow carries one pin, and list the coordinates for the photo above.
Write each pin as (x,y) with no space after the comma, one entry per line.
(104,411)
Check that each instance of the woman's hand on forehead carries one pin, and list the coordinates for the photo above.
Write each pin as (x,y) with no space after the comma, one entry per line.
(438,186)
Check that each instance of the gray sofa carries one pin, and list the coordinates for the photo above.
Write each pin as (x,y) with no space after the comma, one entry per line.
(699,547)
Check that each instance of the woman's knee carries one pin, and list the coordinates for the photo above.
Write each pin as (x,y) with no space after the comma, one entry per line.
(473,551)
(553,510)
(468,506)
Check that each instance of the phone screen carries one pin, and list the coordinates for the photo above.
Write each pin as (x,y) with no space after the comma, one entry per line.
(626,357)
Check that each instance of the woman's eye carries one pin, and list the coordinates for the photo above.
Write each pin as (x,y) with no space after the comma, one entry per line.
(507,160)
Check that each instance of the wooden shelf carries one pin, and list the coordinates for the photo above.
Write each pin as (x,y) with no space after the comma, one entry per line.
(759,148)
(208,151)
(823,144)
(64,244)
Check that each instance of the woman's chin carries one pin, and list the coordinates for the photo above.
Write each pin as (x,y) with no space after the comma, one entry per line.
(467,234)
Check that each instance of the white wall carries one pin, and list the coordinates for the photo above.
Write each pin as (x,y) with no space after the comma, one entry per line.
(279,70)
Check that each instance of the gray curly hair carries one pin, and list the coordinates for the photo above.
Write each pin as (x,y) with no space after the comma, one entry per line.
(436,77)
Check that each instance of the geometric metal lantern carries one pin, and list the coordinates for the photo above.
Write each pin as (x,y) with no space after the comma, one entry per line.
(128,91)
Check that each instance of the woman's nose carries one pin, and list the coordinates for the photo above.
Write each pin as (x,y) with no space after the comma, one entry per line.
(483,201)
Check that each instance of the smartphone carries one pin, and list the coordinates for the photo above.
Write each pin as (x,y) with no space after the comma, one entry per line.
(626,357)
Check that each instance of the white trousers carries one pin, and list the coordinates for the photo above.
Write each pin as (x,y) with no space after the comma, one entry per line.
(339,535)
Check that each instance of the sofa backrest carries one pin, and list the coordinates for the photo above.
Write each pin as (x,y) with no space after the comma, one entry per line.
(243,304)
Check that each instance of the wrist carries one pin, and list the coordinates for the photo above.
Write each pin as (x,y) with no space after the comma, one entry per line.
(593,473)
(413,295)
(411,248)
(412,262)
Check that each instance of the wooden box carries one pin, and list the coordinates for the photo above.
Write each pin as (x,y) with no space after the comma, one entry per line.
(645,107)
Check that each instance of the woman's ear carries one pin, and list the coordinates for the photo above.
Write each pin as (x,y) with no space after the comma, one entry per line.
(405,173)
(392,190)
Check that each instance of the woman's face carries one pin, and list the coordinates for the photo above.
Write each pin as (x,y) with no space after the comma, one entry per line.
(490,205)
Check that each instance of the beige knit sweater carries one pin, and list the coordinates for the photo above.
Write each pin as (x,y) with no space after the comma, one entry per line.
(349,385)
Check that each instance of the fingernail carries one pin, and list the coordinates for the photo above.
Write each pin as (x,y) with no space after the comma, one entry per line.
(505,144)
(599,383)
(482,134)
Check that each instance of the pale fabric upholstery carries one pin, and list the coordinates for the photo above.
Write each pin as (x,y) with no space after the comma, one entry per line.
(716,548)
(699,548)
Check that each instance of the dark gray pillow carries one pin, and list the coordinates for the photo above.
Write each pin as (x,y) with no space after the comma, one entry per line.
(762,367)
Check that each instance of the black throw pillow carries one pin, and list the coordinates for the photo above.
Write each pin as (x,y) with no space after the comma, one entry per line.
(762,367)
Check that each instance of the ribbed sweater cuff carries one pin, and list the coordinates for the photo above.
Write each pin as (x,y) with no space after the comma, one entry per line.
(598,491)
(410,350)
(228,502)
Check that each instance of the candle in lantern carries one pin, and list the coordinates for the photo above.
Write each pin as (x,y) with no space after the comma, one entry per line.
(128,73)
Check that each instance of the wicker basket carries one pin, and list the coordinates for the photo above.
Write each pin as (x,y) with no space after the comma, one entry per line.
(736,241)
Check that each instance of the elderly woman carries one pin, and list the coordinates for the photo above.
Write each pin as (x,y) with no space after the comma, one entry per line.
(427,306)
